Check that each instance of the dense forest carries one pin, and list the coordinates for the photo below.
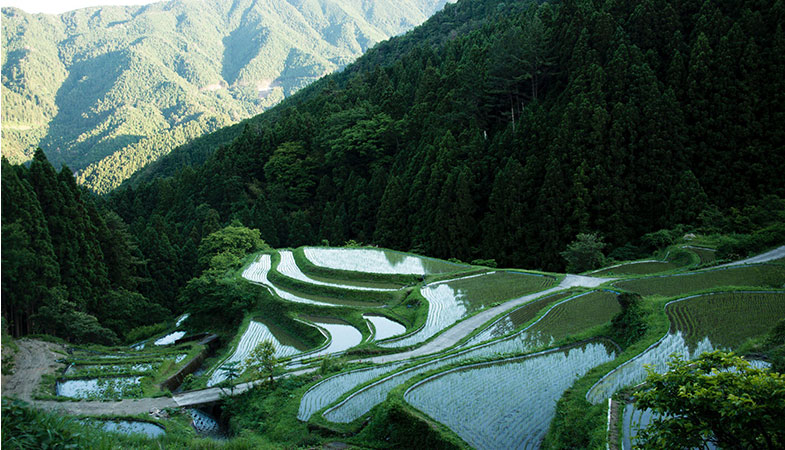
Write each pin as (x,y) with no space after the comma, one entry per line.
(70,267)
(108,90)
(503,130)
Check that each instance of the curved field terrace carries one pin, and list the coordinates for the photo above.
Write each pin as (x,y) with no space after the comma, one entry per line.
(506,404)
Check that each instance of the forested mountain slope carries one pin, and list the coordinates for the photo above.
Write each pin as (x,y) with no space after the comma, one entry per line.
(107,90)
(502,130)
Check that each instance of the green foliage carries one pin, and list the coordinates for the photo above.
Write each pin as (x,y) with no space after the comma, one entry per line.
(26,428)
(476,137)
(629,324)
(584,253)
(716,399)
(145,331)
(395,425)
(223,249)
(262,361)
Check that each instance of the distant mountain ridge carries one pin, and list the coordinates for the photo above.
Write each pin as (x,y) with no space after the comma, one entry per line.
(108,90)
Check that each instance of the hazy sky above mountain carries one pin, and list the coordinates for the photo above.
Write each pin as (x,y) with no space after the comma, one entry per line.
(60,6)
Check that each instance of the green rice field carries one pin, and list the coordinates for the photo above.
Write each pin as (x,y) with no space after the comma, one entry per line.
(727,319)
(577,315)
(764,275)
(482,291)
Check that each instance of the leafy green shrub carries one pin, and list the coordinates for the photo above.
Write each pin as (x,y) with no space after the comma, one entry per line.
(27,428)
(145,331)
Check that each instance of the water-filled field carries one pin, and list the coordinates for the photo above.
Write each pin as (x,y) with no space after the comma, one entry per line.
(170,338)
(634,371)
(331,389)
(100,388)
(699,323)
(288,267)
(507,404)
(451,300)
(342,336)
(257,272)
(377,261)
(256,333)
(131,427)
(514,320)
(384,328)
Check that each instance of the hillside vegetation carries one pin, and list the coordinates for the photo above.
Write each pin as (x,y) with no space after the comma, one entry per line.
(504,130)
(107,90)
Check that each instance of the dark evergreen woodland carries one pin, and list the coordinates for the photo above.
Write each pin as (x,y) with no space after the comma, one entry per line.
(503,130)
(70,269)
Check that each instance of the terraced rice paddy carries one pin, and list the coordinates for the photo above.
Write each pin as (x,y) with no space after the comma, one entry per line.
(383,327)
(763,275)
(633,371)
(633,420)
(257,332)
(342,336)
(362,400)
(507,404)
(698,324)
(444,309)
(515,319)
(727,319)
(706,255)
(131,427)
(257,273)
(331,389)
(170,338)
(100,388)
(573,316)
(451,300)
(638,268)
(288,267)
(377,261)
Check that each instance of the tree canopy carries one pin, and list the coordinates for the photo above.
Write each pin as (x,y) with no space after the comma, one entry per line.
(719,399)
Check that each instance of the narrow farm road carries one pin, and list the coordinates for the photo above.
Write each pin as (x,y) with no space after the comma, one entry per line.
(777,253)
(464,328)
(34,359)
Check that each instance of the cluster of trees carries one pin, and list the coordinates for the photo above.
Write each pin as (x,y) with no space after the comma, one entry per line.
(70,267)
(505,130)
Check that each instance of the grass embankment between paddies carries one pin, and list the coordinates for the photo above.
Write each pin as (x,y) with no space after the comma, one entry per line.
(578,423)
(755,276)
(370,279)
(331,294)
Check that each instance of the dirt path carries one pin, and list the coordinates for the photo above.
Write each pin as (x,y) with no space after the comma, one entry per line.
(777,253)
(34,359)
